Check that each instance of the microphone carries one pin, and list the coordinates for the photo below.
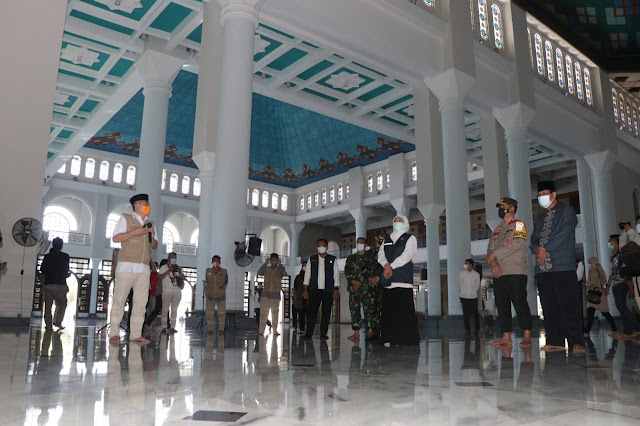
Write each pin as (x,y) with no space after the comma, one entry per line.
(149,226)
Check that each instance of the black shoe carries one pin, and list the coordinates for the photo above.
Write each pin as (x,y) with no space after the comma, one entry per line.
(324,337)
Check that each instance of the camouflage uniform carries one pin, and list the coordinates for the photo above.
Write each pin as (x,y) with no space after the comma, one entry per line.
(361,268)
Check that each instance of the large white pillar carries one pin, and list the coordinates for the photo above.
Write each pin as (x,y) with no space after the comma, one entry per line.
(239,21)
(587,217)
(294,244)
(98,245)
(361,215)
(205,216)
(434,304)
(494,167)
(28,85)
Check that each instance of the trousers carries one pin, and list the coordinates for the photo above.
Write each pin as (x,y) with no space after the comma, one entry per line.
(156,310)
(170,301)
(355,304)
(470,309)
(266,306)
(510,289)
(299,316)
(316,299)
(591,313)
(629,322)
(211,313)
(125,282)
(561,307)
(55,293)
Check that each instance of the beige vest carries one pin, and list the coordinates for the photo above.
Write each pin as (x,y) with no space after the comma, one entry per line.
(215,283)
(272,280)
(135,249)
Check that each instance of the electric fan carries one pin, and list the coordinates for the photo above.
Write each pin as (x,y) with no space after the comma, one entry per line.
(27,232)
(241,256)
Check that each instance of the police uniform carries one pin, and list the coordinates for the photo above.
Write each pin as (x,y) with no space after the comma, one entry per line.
(508,245)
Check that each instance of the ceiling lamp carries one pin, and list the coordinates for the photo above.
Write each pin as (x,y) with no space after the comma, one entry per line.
(79,55)
(345,81)
(126,6)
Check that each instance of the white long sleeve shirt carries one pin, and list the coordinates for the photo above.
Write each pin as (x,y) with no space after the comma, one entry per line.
(469,284)
(321,278)
(630,235)
(409,253)
(136,268)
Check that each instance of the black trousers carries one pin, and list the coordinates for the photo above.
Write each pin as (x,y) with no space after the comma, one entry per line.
(156,310)
(591,313)
(317,298)
(561,307)
(399,322)
(470,309)
(299,316)
(510,289)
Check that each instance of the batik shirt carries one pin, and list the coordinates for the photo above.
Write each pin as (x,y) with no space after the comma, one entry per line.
(616,277)
(555,230)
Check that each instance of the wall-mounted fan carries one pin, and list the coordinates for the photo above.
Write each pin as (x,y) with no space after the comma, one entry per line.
(247,250)
(27,232)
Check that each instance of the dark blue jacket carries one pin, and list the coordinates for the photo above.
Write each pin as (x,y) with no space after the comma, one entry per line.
(392,251)
(555,230)
(328,272)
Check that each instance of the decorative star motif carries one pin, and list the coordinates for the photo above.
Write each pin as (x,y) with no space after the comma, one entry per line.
(345,81)
(126,6)
(79,55)
(61,99)
(260,45)
(409,110)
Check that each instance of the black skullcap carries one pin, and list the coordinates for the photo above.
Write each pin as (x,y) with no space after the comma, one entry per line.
(138,197)
(547,184)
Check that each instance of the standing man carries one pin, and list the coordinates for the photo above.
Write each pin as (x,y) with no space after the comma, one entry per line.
(507,256)
(554,244)
(299,311)
(469,281)
(272,271)
(137,233)
(321,284)
(55,268)
(215,288)
(171,292)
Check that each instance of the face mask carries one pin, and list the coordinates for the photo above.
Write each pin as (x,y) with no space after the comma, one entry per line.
(146,210)
(610,246)
(172,261)
(637,229)
(274,263)
(322,249)
(502,213)
(216,264)
(544,201)
(398,226)
(360,247)
(465,267)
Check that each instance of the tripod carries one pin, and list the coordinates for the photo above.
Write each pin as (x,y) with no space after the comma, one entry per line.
(203,320)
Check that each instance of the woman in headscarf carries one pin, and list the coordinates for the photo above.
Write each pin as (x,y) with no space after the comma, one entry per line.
(396,255)
(597,281)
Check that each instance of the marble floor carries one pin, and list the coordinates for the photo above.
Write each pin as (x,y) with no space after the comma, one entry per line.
(76,377)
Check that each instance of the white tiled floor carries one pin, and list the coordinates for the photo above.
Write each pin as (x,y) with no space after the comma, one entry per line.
(77,378)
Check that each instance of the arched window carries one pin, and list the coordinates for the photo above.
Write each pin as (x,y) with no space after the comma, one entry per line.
(623,121)
(265,199)
(324,196)
(332,194)
(560,68)
(347,190)
(117,173)
(614,95)
(497,27)
(302,202)
(379,181)
(430,3)
(482,12)
(340,192)
(164,179)
(578,77)
(103,173)
(170,236)
(275,201)
(197,187)
(173,183)
(63,168)
(316,199)
(112,221)
(388,179)
(131,175)
(538,44)
(309,200)
(90,168)
(414,172)
(76,164)
(629,121)
(247,196)
(569,68)
(186,185)
(194,237)
(587,86)
(549,59)
(59,222)
(370,183)
(284,203)
(635,121)
(255,198)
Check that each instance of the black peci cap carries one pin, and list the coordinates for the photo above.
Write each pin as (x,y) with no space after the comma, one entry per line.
(138,197)
(547,185)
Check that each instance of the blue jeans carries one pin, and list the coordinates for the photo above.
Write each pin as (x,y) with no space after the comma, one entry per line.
(629,323)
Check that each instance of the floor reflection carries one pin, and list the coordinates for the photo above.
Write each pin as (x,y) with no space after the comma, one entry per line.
(77,378)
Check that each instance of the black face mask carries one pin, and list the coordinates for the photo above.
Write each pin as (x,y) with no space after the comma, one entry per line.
(502,213)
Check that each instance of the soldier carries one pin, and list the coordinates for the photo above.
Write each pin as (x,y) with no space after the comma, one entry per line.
(363,273)
(507,256)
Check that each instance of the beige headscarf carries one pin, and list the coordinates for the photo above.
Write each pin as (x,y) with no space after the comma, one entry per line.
(395,235)
(596,278)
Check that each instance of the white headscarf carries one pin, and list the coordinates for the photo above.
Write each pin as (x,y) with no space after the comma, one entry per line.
(395,235)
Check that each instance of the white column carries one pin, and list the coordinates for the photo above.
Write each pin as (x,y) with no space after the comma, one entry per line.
(360,216)
(586,210)
(205,214)
(294,244)
(98,245)
(494,167)
(239,21)
(397,191)
(434,305)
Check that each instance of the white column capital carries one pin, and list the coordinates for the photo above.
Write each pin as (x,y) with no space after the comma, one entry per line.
(361,213)
(450,87)
(515,118)
(296,228)
(601,163)
(156,67)
(156,86)
(431,211)
(240,9)
(205,160)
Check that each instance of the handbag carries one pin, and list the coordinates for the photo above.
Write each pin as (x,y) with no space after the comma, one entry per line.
(630,263)
(594,296)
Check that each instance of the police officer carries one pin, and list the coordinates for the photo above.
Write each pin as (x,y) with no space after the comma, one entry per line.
(506,254)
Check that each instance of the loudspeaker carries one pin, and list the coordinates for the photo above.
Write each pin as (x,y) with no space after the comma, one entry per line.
(423,274)
(255,244)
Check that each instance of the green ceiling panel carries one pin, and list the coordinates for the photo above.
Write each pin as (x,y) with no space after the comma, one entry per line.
(397,101)
(277,31)
(51,130)
(170,17)
(196,35)
(101,22)
(136,14)
(375,93)
(394,121)
(324,83)
(287,59)
(91,40)
(316,69)
(88,105)
(121,67)
(70,102)
(322,95)
(102,58)
(65,134)
(270,48)
(73,74)
(50,154)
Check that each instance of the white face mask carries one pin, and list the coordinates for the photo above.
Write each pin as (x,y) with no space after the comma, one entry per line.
(360,247)
(398,226)
(172,261)
(638,228)
(322,249)
(544,201)
(466,267)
